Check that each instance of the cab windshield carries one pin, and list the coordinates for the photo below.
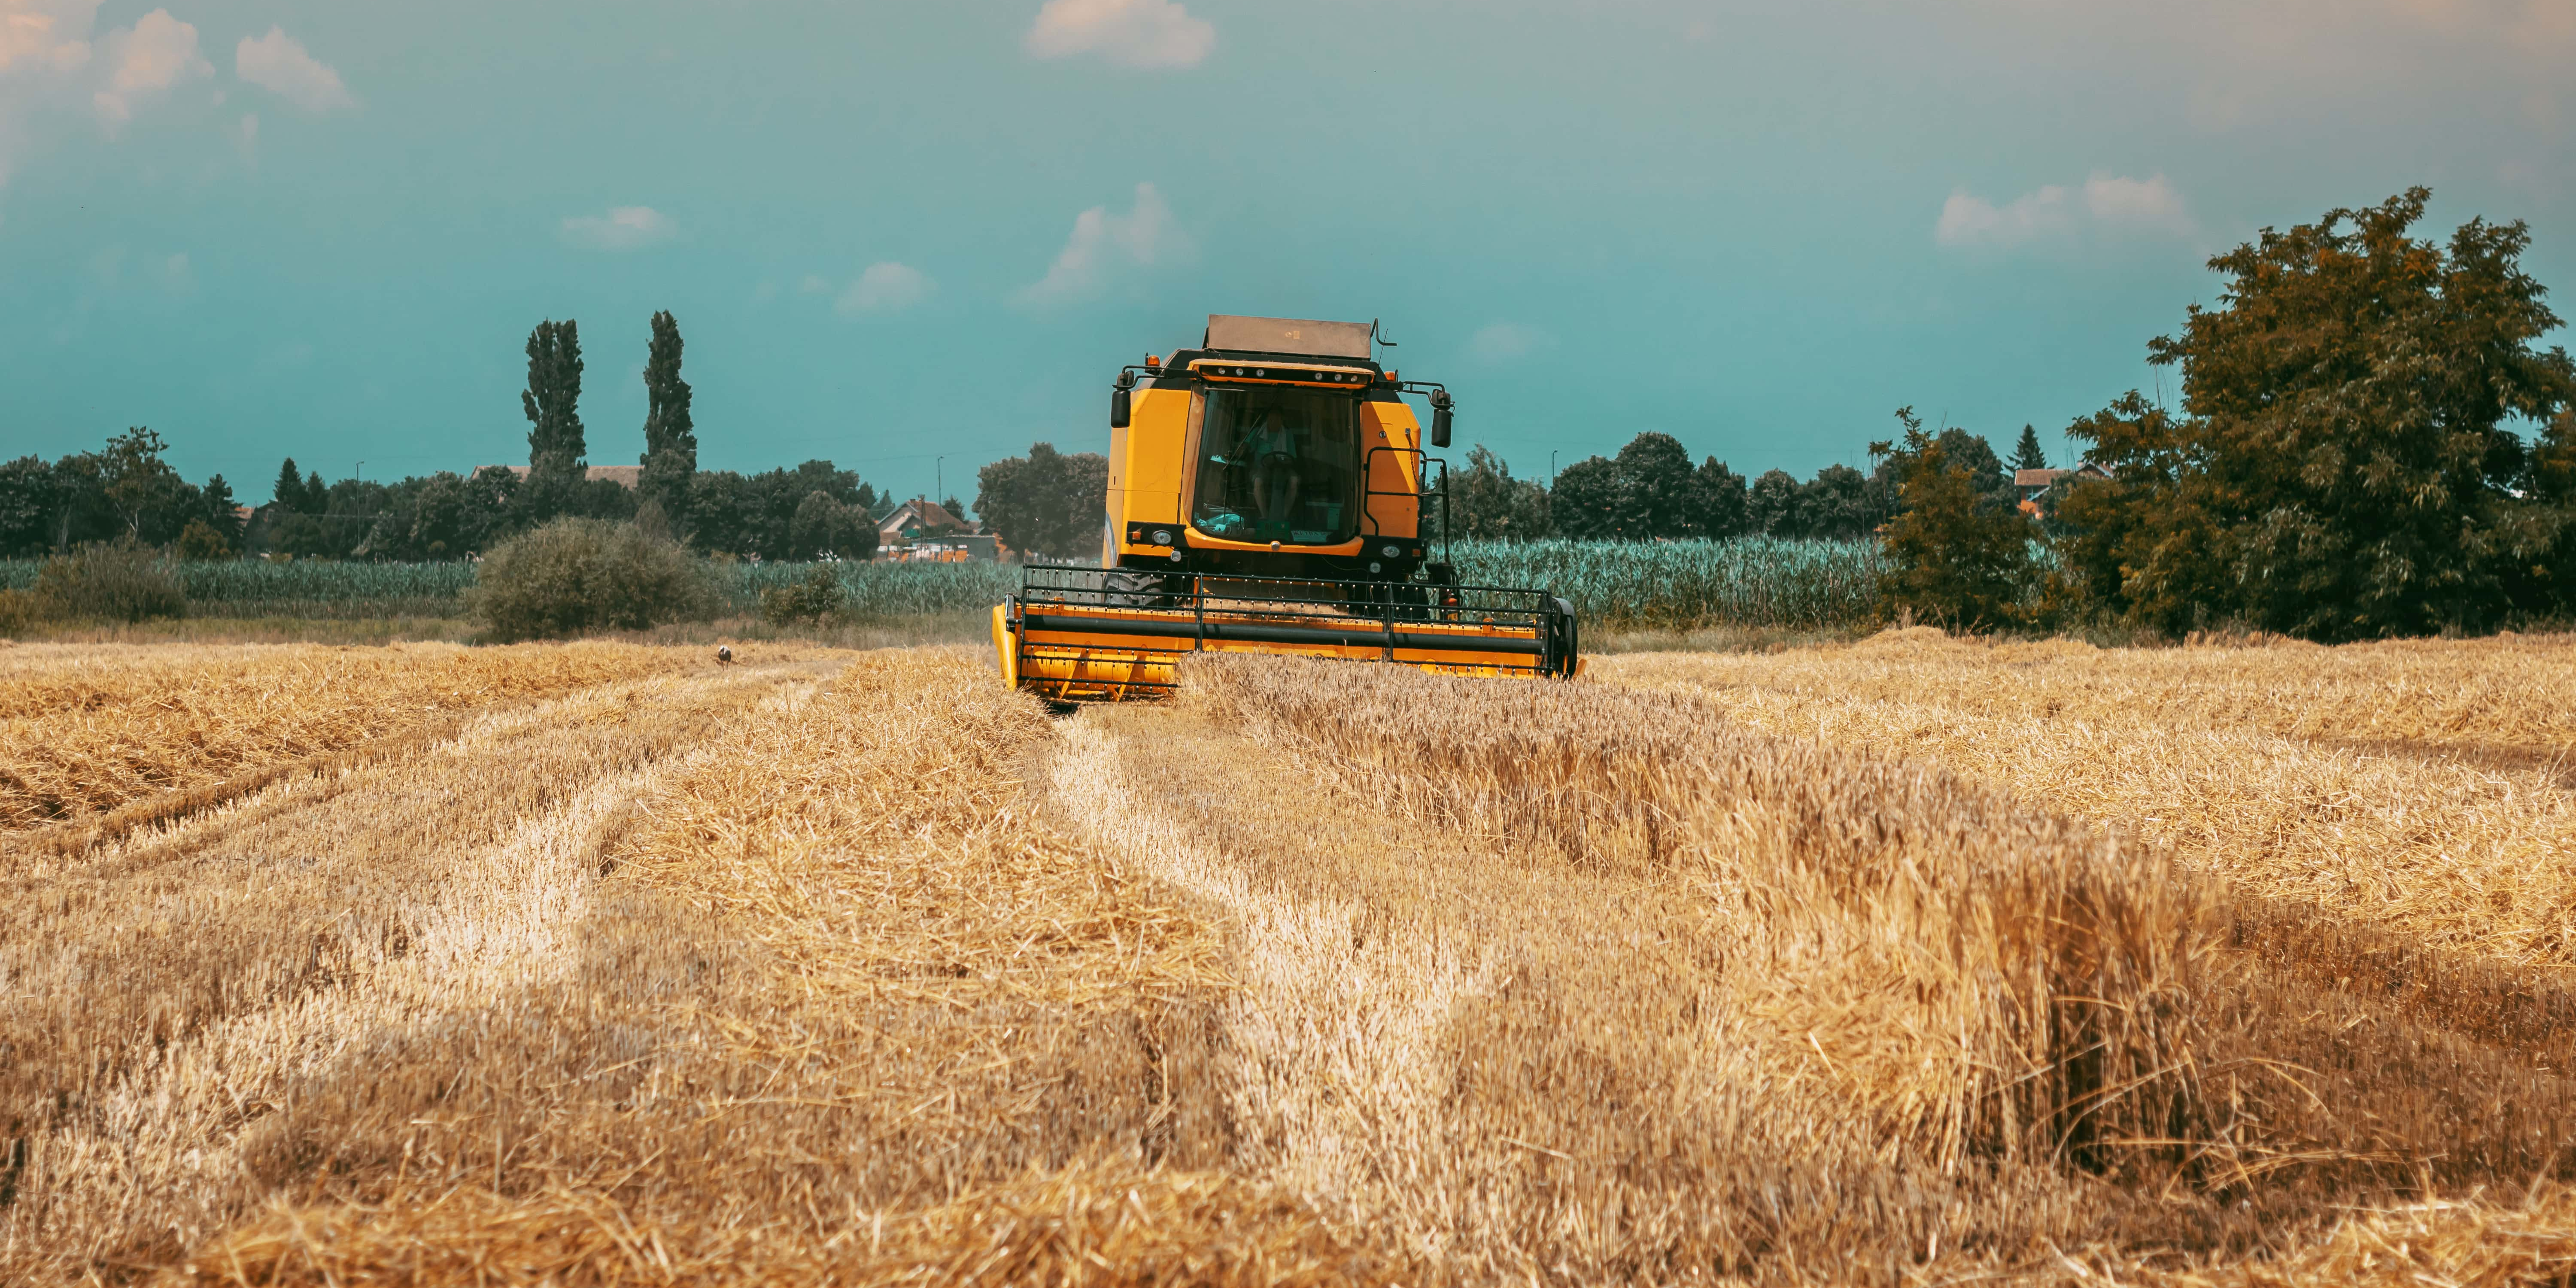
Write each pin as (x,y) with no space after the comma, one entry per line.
(1279,464)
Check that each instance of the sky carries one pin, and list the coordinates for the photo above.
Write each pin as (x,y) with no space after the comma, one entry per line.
(912,238)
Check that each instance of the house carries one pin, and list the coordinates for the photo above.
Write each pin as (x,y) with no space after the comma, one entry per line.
(2031,483)
(625,476)
(2037,484)
(916,518)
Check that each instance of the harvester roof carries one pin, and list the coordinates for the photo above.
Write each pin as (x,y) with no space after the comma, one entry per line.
(1293,336)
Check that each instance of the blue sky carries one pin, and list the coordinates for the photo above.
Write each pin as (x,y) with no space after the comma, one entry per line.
(893,232)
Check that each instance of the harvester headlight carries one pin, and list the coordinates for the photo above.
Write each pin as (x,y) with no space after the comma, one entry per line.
(1162,537)
(1392,552)
(1373,565)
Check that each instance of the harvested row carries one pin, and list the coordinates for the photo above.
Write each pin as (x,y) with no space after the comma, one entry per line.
(170,1001)
(2507,701)
(1948,1023)
(84,730)
(2424,875)
(836,1010)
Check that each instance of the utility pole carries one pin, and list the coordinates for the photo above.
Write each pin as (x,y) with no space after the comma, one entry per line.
(939,478)
(362,470)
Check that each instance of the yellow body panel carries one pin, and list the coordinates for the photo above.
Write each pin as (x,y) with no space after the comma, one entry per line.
(1391,425)
(1145,465)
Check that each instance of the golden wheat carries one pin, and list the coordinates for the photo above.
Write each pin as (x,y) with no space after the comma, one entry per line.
(857,968)
(86,728)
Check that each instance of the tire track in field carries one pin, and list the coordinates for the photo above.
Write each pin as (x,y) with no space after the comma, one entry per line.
(165,999)
(1507,1067)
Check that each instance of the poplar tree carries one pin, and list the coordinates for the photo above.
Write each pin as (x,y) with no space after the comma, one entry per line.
(551,401)
(670,441)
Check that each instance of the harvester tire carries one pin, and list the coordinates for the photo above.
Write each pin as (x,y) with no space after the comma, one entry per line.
(1138,589)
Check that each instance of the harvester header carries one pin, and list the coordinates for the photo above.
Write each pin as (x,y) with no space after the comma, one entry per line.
(1270,491)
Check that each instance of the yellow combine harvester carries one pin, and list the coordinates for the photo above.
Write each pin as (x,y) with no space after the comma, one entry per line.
(1266,495)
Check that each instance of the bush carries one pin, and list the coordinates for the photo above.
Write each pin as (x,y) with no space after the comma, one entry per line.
(200,543)
(18,611)
(123,582)
(816,597)
(575,575)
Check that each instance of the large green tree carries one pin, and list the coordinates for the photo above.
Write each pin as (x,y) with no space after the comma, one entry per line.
(1584,504)
(552,402)
(1046,502)
(1959,555)
(670,438)
(2344,466)
(1656,496)
(1718,497)
(1487,503)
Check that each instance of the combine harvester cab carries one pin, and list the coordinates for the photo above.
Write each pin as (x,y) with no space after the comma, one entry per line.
(1266,495)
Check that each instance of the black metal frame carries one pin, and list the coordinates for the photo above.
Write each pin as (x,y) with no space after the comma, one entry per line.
(1310,611)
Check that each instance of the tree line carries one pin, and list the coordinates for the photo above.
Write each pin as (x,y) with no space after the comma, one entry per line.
(2343,464)
(1650,491)
(128,491)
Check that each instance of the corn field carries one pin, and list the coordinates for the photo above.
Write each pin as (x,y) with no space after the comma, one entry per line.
(1753,581)
(1681,585)
(1908,961)
(325,589)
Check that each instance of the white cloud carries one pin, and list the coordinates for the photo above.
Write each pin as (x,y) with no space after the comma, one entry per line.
(144,61)
(45,35)
(1506,341)
(1975,221)
(2150,205)
(1135,33)
(277,63)
(623,228)
(885,288)
(2109,206)
(1103,242)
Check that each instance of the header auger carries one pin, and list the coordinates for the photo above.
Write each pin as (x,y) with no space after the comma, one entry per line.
(1266,495)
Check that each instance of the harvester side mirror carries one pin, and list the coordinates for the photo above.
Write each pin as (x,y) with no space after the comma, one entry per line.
(1118,399)
(1440,418)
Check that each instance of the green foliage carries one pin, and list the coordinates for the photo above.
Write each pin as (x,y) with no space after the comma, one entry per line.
(2343,469)
(825,526)
(1046,502)
(1486,503)
(1648,492)
(736,514)
(880,591)
(574,575)
(2027,454)
(552,403)
(200,542)
(124,581)
(1682,585)
(814,597)
(1958,554)
(670,437)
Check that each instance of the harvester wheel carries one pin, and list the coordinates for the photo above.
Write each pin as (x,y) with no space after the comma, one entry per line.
(1139,589)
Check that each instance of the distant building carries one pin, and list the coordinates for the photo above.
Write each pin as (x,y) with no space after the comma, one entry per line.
(917,519)
(2033,482)
(2036,484)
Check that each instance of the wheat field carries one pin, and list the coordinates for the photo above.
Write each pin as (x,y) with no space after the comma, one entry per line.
(1912,961)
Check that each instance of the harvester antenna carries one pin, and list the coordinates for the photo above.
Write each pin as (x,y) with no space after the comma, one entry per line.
(1381,340)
